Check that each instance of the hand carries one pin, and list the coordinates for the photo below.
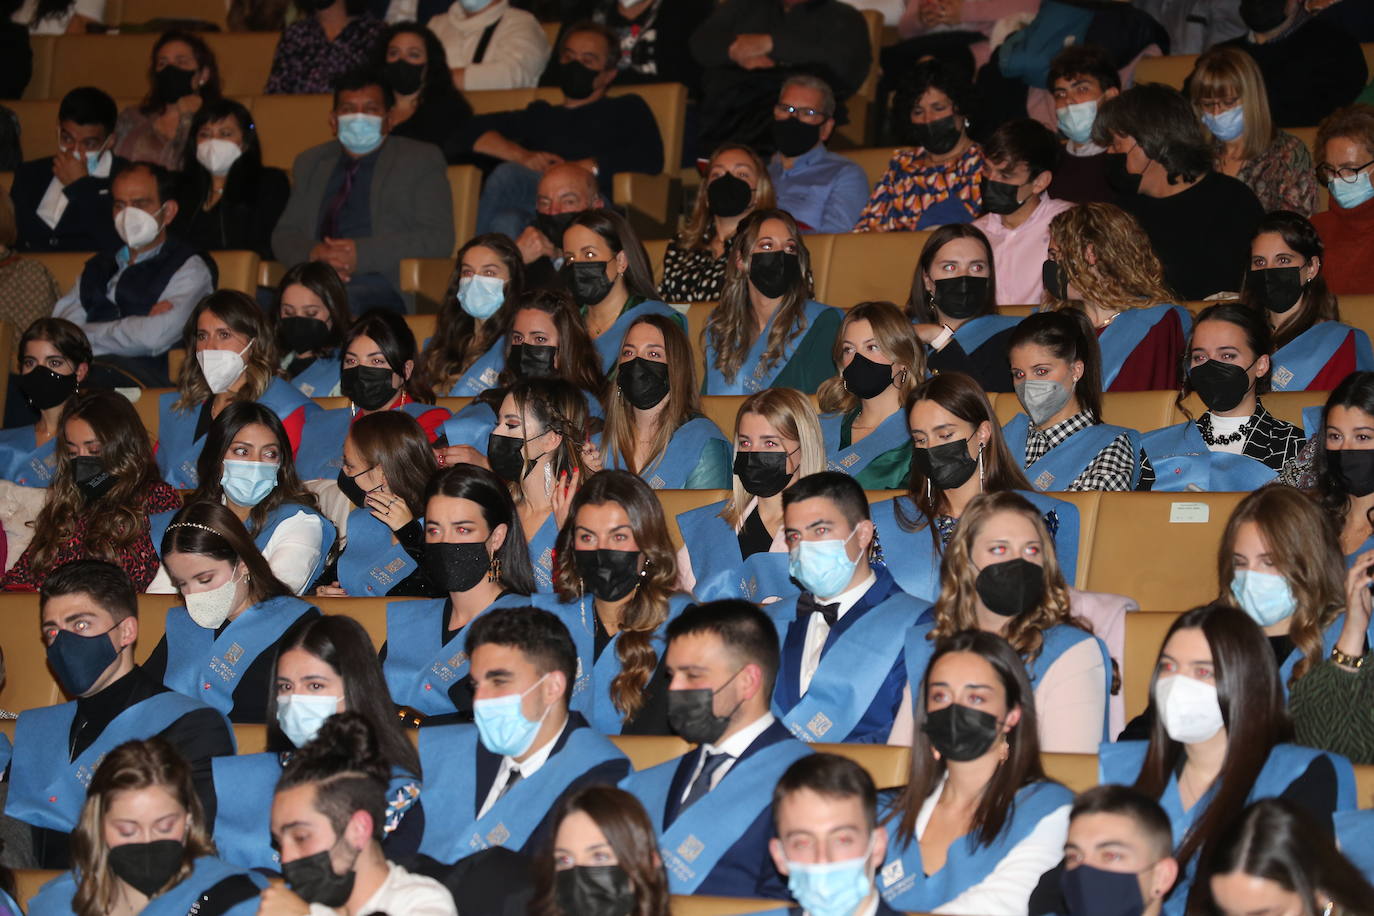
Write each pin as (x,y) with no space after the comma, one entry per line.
(952,11)
(450,455)
(563,493)
(928,332)
(539,162)
(389,509)
(762,62)
(1357,597)
(330,591)
(345,252)
(160,307)
(318,253)
(747,46)
(67,168)
(592,457)
(278,900)
(533,245)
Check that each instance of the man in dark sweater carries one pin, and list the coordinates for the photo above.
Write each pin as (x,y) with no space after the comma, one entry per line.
(1081,78)
(1160,163)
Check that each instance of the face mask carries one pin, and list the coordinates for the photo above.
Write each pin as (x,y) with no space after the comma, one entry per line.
(1266,597)
(247,483)
(1189,708)
(146,867)
(1278,289)
(303,335)
(91,478)
(1000,197)
(830,888)
(1350,194)
(370,387)
(314,880)
(1226,126)
(1119,178)
(692,715)
(532,361)
(1222,386)
(576,81)
(481,297)
(587,281)
(360,134)
(866,379)
(471,6)
(405,78)
(1092,891)
(506,455)
(301,715)
(553,225)
(502,725)
(961,733)
(961,297)
(221,368)
(44,388)
(349,488)
(644,382)
(938,137)
(773,273)
(1011,588)
(218,156)
(792,137)
(78,661)
(1054,280)
(456,567)
(1042,398)
(1353,468)
(1263,15)
(610,574)
(762,474)
(728,195)
(137,228)
(947,466)
(594,890)
(92,159)
(173,83)
(822,567)
(1076,121)
(209,609)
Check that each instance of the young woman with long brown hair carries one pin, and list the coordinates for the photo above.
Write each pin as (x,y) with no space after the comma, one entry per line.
(54,357)
(467,353)
(310,317)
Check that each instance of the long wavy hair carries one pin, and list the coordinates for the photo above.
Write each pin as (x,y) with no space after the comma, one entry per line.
(116,520)
(792,414)
(459,339)
(395,440)
(555,405)
(1355,391)
(241,314)
(1127,273)
(209,529)
(578,361)
(1318,302)
(1228,73)
(699,229)
(684,401)
(920,304)
(396,341)
(731,330)
(493,497)
(437,87)
(896,339)
(322,280)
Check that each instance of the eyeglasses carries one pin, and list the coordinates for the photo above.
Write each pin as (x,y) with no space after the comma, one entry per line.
(1217,106)
(805,115)
(1326,173)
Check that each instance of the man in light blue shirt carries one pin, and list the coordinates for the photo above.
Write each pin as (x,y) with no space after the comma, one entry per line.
(824,191)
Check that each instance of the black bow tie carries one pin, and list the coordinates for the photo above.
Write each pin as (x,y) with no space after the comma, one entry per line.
(806,606)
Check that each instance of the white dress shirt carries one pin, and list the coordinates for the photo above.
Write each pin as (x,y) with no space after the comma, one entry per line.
(402,892)
(292,552)
(514,57)
(735,745)
(57,25)
(528,768)
(817,630)
(54,202)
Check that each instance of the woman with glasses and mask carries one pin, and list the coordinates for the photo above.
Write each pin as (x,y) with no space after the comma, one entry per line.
(54,357)
(468,350)
(310,317)
(1345,167)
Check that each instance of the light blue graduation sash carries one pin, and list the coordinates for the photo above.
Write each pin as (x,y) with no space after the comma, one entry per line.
(25,462)
(681,456)
(891,434)
(207,667)
(482,374)
(471,426)
(902,879)
(1355,835)
(1297,364)
(751,376)
(370,565)
(702,834)
(713,549)
(55,897)
(608,344)
(541,554)
(450,752)
(322,443)
(975,332)
(1182,461)
(1366,546)
(1120,338)
(1312,420)
(321,378)
(47,787)
(1058,468)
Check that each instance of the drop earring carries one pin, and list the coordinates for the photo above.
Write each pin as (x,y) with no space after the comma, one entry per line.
(548,479)
(981,476)
(494,569)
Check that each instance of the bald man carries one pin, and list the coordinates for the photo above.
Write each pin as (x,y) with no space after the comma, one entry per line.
(564,191)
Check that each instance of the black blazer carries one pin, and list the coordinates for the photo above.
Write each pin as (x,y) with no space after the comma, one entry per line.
(86,225)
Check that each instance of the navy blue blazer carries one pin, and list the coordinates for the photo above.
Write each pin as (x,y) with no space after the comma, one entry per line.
(86,225)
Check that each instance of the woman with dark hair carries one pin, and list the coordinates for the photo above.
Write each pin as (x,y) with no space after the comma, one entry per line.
(1342,463)
(616,579)
(310,316)
(1060,441)
(937,181)
(324,665)
(182,75)
(767,331)
(1313,350)
(234,360)
(978,821)
(219,646)
(1236,445)
(475,556)
(468,350)
(654,425)
(953,304)
(1219,739)
(140,799)
(603,847)
(608,274)
(428,106)
(103,489)
(227,199)
(54,357)
(327,41)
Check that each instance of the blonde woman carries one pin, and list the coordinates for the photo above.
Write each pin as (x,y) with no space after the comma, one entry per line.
(735,185)
(1227,89)
(735,548)
(880,360)
(654,426)
(767,331)
(1101,263)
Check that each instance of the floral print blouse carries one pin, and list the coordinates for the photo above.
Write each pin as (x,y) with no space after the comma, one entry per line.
(307,61)
(1282,176)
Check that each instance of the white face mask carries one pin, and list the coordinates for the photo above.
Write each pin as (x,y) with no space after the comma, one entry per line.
(137,227)
(301,715)
(1190,709)
(218,156)
(211,608)
(221,368)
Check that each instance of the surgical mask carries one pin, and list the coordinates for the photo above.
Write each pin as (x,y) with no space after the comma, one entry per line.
(301,715)
(961,297)
(457,567)
(773,273)
(92,159)
(210,608)
(866,379)
(1011,588)
(1119,178)
(247,483)
(1000,197)
(961,733)
(472,6)
(823,567)
(221,368)
(218,156)
(502,725)
(1266,597)
(1227,125)
(643,382)
(360,134)
(762,474)
(91,478)
(481,297)
(1222,386)
(314,880)
(938,137)
(1354,468)
(947,466)
(44,388)
(576,80)
(1189,708)
(1350,194)
(147,867)
(78,661)
(1076,121)
(610,574)
(1092,891)
(532,361)
(299,334)
(728,195)
(137,228)
(405,78)
(594,890)
(1042,398)
(793,137)
(692,713)
(587,281)
(370,387)
(830,888)
(1278,289)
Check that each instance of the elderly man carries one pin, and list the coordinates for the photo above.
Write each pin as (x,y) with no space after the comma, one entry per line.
(824,191)
(564,191)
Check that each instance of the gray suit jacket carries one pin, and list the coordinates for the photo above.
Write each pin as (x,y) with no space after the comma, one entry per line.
(412,210)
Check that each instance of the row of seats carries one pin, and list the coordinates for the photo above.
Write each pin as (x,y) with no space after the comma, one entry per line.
(1173,69)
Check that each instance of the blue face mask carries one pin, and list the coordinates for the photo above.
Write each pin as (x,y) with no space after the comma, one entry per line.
(830,888)
(481,296)
(360,134)
(473,6)
(1350,194)
(502,725)
(1266,597)
(300,716)
(822,567)
(1226,126)
(247,483)
(78,661)
(1076,121)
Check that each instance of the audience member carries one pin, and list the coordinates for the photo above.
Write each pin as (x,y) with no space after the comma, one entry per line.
(824,191)
(1082,78)
(1354,18)
(491,44)
(564,191)
(364,201)
(649,34)
(1196,25)
(309,317)
(327,42)
(182,76)
(28,290)
(468,350)
(59,17)
(428,105)
(1342,475)
(54,359)
(1345,162)
(16,70)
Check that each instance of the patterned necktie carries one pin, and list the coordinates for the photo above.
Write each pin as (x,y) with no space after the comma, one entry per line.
(329,226)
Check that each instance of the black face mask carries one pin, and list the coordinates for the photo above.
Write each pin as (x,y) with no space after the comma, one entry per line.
(1119,178)
(349,488)
(866,379)
(405,78)
(456,567)
(961,297)
(938,137)
(506,456)
(1052,276)
(91,478)
(303,335)
(793,137)
(1011,588)
(1222,386)
(773,273)
(1278,289)
(576,81)
(172,83)
(728,195)
(947,466)
(644,382)
(961,733)
(1000,197)
(691,714)
(762,474)
(587,281)
(553,225)
(532,361)
(146,867)
(370,387)
(594,890)
(44,388)
(610,574)
(1263,15)
(1353,469)
(314,880)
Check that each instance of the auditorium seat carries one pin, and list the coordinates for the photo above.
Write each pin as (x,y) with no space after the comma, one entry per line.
(1286,405)
(140,12)
(288,125)
(40,80)
(647,751)
(656,248)
(146,406)
(858,129)
(1364,782)
(675,502)
(250,738)
(370,612)
(874,161)
(1017,311)
(721,409)
(700,905)
(6,181)
(245,59)
(1144,638)
(238,270)
(66,266)
(1171,70)
(1358,311)
(697,315)
(28,881)
(850,268)
(118,64)
(28,682)
(888,765)
(427,279)
(152,622)
(1076,771)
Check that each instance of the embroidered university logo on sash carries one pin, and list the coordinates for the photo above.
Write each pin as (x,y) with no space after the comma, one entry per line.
(690,848)
(850,460)
(656,482)
(444,671)
(820,724)
(488,378)
(1044,480)
(224,666)
(892,871)
(499,834)
(1282,376)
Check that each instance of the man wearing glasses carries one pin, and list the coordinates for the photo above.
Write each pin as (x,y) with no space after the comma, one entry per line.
(824,191)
